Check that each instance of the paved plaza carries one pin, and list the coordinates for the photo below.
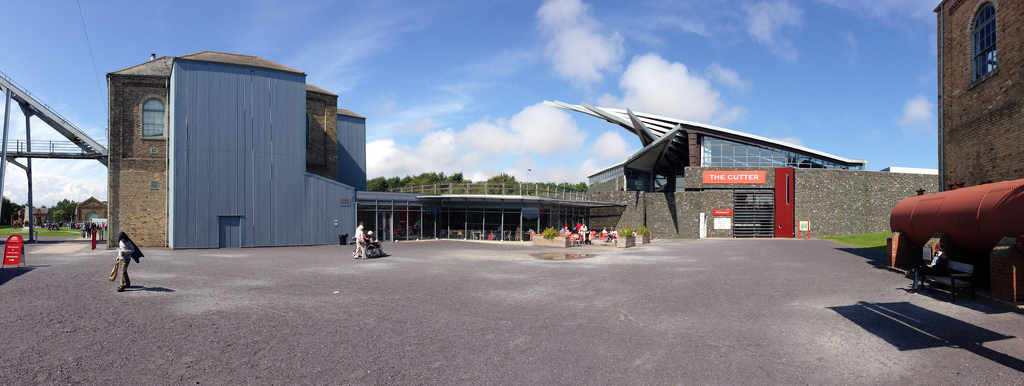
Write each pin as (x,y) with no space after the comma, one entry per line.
(718,311)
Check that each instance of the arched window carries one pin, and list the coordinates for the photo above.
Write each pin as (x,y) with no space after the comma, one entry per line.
(153,118)
(985,42)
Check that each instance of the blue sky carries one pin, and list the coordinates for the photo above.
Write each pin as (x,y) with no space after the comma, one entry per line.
(458,86)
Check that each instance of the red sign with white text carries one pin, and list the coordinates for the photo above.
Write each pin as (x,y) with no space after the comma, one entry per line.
(733,177)
(13,249)
(721,212)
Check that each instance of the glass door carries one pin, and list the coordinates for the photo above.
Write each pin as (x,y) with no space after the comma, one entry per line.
(385,227)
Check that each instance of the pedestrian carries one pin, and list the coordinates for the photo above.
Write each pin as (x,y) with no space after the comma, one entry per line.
(126,252)
(360,252)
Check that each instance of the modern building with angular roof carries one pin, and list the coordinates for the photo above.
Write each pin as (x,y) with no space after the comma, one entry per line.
(693,180)
(671,145)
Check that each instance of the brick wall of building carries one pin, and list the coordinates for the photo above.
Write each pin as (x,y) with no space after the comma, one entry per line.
(322,147)
(136,162)
(981,136)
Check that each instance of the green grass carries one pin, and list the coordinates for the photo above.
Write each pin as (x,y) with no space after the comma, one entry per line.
(9,230)
(873,241)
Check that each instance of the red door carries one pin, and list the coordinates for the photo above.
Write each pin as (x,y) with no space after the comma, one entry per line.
(784,202)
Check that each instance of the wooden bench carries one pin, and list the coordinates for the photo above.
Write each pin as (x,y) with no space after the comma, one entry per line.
(959,275)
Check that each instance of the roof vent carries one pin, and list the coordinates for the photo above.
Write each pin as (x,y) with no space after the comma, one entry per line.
(152,56)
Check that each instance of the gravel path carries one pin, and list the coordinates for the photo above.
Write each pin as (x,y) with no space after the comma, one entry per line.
(446,312)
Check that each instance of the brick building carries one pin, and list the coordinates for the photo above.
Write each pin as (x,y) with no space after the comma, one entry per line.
(980,63)
(197,162)
(90,209)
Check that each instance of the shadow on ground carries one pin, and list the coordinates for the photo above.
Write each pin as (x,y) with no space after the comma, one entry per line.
(909,327)
(9,273)
(873,257)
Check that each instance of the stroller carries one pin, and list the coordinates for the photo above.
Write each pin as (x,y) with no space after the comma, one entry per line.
(373,248)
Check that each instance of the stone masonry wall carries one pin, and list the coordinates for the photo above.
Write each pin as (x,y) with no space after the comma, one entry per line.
(836,202)
(847,202)
(136,162)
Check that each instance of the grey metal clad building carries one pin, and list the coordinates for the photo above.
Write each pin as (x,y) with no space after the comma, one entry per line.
(236,176)
(352,149)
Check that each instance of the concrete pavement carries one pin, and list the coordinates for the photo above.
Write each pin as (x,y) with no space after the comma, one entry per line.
(448,312)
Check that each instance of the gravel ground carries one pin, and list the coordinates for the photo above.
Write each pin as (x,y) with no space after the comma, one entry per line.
(447,312)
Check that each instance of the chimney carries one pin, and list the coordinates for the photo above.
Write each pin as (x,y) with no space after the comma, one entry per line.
(152,56)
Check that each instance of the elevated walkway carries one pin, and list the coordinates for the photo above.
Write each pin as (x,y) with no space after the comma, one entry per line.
(87,148)
(80,145)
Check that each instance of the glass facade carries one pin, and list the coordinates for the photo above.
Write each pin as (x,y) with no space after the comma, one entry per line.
(394,217)
(720,152)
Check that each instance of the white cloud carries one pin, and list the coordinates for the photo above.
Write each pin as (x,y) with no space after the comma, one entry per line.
(765,22)
(537,130)
(578,51)
(727,76)
(611,147)
(918,114)
(655,86)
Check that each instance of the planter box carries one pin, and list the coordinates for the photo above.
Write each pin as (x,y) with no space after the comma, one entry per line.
(626,242)
(557,242)
(645,239)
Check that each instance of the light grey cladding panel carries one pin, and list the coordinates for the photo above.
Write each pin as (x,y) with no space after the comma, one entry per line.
(237,150)
(352,151)
(327,201)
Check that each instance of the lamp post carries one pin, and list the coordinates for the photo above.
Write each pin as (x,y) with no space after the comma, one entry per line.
(528,181)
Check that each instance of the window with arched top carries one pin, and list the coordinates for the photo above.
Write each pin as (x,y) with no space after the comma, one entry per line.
(985,42)
(153,118)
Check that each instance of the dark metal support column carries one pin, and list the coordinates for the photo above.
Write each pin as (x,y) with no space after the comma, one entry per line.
(30,213)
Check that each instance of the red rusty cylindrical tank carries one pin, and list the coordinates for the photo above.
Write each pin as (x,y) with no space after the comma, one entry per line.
(974,219)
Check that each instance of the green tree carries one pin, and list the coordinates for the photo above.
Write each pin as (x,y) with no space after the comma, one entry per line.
(8,211)
(503,177)
(63,210)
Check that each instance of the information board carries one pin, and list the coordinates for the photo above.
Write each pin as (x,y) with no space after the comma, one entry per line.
(13,249)
(723,222)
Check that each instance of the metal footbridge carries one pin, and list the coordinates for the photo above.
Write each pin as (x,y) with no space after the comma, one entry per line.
(78,146)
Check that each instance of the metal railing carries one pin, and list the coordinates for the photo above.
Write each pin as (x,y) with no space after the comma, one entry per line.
(486,188)
(39,147)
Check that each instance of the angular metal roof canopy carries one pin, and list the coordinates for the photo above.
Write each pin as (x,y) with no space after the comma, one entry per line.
(644,125)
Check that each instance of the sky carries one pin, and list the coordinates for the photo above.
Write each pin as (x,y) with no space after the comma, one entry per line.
(458,86)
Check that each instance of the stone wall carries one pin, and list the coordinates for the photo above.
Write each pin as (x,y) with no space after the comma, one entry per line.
(836,202)
(608,217)
(136,162)
(848,202)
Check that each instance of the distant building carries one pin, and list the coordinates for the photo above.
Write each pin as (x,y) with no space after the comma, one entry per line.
(692,180)
(90,209)
(899,169)
(217,150)
(981,96)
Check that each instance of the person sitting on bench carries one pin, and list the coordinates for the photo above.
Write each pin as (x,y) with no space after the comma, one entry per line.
(937,267)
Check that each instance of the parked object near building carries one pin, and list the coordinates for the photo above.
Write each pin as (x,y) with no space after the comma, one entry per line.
(971,223)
